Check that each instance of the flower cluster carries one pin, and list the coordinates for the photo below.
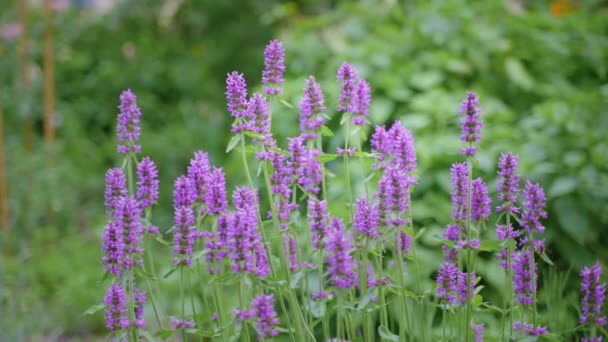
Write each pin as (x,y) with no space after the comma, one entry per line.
(127,127)
(594,294)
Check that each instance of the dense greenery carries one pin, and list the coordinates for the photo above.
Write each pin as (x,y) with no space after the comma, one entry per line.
(542,80)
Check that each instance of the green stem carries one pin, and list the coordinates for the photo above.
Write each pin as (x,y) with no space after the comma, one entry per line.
(323,181)
(183,301)
(383,310)
(468,251)
(324,323)
(410,222)
(347,169)
(218,306)
(242,304)
(402,297)
(367,324)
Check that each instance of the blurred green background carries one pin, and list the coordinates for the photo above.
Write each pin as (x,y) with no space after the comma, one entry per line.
(540,68)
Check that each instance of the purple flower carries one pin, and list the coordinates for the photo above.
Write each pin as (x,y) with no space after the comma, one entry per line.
(236,95)
(257,107)
(127,217)
(451,233)
(116,308)
(459,174)
(322,295)
(506,232)
(363,98)
(290,248)
(245,198)
(534,208)
(127,126)
(508,183)
(503,258)
(318,220)
(529,328)
(181,324)
(402,147)
(198,172)
(184,235)
(340,260)
(470,123)
(393,197)
(348,152)
(274,68)
(594,294)
(403,241)
(312,109)
(447,282)
(113,248)
(115,187)
(304,164)
(280,180)
(478,329)
(522,277)
(140,300)
(184,192)
(367,218)
(480,201)
(348,90)
(147,182)
(215,197)
(265,316)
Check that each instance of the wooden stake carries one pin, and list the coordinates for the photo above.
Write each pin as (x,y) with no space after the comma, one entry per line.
(49,76)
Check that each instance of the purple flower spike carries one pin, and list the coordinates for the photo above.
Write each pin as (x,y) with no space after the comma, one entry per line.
(184,192)
(290,248)
(534,208)
(340,260)
(116,308)
(265,316)
(127,216)
(480,201)
(318,219)
(367,218)
(594,294)
(312,109)
(348,91)
(198,172)
(113,248)
(470,123)
(305,165)
(184,235)
(280,181)
(364,98)
(505,232)
(274,68)
(451,233)
(402,148)
(404,241)
(127,126)
(147,182)
(393,197)
(478,329)
(215,197)
(257,108)
(236,95)
(140,300)
(245,199)
(459,174)
(522,277)
(447,282)
(530,329)
(115,187)
(508,183)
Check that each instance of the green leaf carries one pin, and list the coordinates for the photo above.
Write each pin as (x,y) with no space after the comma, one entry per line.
(518,74)
(287,104)
(103,278)
(324,158)
(385,333)
(159,239)
(490,245)
(295,279)
(366,299)
(318,308)
(198,254)
(420,233)
(233,142)
(254,135)
(562,186)
(164,333)
(546,259)
(200,332)
(144,275)
(326,132)
(93,309)
(173,269)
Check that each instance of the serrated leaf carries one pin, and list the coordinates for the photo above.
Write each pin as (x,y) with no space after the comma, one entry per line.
(326,132)
(93,309)
(385,333)
(164,333)
(233,142)
(324,158)
(491,245)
